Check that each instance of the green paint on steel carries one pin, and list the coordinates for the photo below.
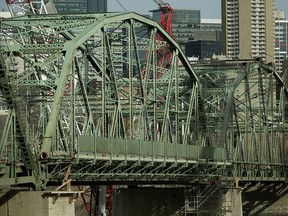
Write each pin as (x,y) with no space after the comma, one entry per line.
(84,93)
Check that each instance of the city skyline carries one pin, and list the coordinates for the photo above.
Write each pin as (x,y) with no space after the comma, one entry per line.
(213,11)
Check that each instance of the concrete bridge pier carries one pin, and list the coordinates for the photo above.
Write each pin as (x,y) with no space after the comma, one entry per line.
(35,203)
(232,202)
(148,201)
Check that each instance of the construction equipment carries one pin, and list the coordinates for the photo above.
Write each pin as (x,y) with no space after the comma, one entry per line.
(167,15)
(30,7)
(223,120)
(121,5)
(164,55)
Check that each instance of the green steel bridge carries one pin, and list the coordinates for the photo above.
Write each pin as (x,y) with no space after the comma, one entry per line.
(94,96)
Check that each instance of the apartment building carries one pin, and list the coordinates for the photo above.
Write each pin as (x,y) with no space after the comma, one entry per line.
(248,29)
(281,40)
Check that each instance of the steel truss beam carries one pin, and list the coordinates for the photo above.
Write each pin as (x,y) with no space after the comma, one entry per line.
(86,93)
(88,77)
(246,103)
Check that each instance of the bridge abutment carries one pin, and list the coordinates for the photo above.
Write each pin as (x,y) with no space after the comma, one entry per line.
(35,203)
(257,199)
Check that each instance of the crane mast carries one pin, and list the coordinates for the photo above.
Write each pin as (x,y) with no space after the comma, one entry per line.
(164,54)
(166,16)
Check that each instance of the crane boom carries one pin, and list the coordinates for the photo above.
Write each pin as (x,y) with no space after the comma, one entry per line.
(121,5)
(159,2)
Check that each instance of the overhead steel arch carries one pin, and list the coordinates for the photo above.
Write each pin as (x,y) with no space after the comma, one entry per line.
(92,93)
(245,103)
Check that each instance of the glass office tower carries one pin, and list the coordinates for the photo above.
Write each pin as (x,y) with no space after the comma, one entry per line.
(80,6)
(184,24)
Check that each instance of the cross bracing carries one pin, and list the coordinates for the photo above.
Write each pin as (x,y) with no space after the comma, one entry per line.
(92,96)
(246,105)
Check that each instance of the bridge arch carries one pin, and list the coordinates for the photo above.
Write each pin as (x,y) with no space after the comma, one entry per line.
(112,97)
(245,103)
(94,91)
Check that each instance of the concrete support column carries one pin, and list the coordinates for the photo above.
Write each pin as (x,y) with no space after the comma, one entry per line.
(232,203)
(62,206)
(102,200)
(148,201)
(238,209)
(35,203)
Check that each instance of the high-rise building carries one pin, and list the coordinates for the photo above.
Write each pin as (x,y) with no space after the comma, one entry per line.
(208,35)
(281,40)
(210,30)
(248,29)
(184,24)
(211,25)
(80,6)
(203,49)
(285,66)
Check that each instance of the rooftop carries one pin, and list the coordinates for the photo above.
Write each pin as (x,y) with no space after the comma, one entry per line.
(214,21)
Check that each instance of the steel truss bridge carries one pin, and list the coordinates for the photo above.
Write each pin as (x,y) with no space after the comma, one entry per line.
(91,95)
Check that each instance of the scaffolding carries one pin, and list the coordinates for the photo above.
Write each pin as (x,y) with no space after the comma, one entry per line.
(209,199)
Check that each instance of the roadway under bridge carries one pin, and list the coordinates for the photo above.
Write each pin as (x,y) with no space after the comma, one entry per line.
(94,97)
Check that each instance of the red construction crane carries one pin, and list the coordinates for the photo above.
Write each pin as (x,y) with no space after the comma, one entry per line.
(164,55)
(167,15)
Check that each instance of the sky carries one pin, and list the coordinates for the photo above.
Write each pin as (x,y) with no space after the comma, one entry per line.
(209,8)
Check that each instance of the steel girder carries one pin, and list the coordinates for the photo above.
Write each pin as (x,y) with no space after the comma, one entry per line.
(85,93)
(245,103)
